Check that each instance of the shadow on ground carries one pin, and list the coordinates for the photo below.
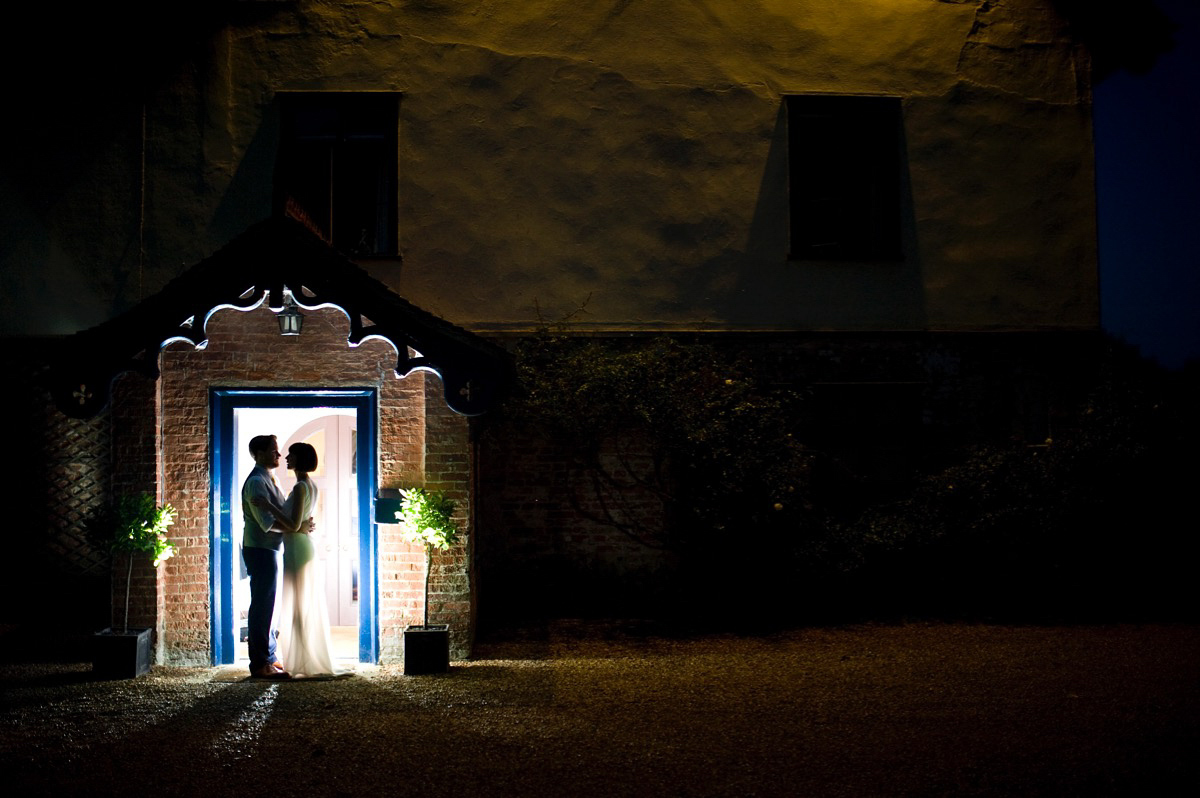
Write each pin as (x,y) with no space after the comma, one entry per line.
(616,709)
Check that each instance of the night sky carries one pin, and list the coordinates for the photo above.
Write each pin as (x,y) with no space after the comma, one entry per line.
(1147,129)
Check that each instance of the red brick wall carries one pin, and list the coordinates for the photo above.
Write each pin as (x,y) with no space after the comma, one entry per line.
(448,465)
(136,462)
(443,463)
(542,553)
(402,464)
(245,350)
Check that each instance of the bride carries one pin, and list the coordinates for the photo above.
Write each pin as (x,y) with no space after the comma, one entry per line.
(304,642)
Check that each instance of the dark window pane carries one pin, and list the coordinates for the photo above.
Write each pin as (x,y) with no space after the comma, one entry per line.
(844,177)
(337,168)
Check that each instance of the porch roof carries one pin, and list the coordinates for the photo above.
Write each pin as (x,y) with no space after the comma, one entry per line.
(270,255)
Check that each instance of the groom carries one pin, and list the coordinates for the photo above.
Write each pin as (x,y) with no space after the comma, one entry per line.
(261,541)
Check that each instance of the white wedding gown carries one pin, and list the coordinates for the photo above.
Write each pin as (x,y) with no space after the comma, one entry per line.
(305,648)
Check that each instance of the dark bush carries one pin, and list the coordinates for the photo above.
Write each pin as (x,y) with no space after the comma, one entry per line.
(682,448)
(1093,524)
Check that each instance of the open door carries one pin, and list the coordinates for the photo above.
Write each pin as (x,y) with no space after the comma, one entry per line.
(341,426)
(334,435)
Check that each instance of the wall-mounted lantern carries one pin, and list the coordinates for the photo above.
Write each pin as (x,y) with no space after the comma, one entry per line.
(290,318)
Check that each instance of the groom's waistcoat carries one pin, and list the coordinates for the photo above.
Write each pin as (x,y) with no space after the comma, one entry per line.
(258,520)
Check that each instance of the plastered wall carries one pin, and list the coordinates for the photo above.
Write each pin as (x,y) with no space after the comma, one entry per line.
(624,157)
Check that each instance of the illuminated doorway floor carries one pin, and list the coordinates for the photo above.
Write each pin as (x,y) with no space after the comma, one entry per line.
(345,646)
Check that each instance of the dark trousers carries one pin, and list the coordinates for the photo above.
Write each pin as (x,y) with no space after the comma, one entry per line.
(263,567)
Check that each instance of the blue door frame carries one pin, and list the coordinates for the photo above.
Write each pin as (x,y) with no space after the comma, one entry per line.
(226,488)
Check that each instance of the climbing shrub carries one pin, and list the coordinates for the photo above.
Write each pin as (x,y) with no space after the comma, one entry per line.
(718,451)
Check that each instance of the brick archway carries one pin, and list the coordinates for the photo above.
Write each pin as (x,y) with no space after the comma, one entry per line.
(271,260)
(166,425)
(428,375)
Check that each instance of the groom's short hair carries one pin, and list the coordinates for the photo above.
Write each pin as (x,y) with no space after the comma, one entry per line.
(261,443)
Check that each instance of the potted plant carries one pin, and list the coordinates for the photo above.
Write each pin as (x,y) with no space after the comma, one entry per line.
(425,518)
(135,526)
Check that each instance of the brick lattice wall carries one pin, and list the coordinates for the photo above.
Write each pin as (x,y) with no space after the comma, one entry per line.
(53,573)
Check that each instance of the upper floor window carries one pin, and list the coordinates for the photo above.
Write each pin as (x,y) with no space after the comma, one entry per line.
(337,168)
(844,159)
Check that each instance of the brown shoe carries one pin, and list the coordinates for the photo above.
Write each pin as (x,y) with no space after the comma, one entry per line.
(271,672)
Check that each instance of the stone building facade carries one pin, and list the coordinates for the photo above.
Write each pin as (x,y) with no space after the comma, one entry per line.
(827,180)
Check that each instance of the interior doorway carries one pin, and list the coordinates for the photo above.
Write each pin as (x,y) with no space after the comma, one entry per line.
(333,432)
(339,425)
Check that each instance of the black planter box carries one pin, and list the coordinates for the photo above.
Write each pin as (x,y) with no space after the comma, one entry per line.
(121,655)
(426,649)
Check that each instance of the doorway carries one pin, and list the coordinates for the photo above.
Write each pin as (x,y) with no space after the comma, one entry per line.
(340,425)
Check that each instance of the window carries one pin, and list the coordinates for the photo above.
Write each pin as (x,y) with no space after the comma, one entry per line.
(844,177)
(337,168)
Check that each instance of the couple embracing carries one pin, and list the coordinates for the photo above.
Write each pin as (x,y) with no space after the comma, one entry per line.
(274,522)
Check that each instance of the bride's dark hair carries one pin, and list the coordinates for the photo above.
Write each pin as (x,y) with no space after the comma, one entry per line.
(304,457)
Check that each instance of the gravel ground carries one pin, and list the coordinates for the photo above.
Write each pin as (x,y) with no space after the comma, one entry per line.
(615,710)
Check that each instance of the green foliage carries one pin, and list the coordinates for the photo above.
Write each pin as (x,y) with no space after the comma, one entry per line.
(1115,447)
(140,526)
(425,518)
(670,422)
(134,525)
(1084,524)
(1074,526)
